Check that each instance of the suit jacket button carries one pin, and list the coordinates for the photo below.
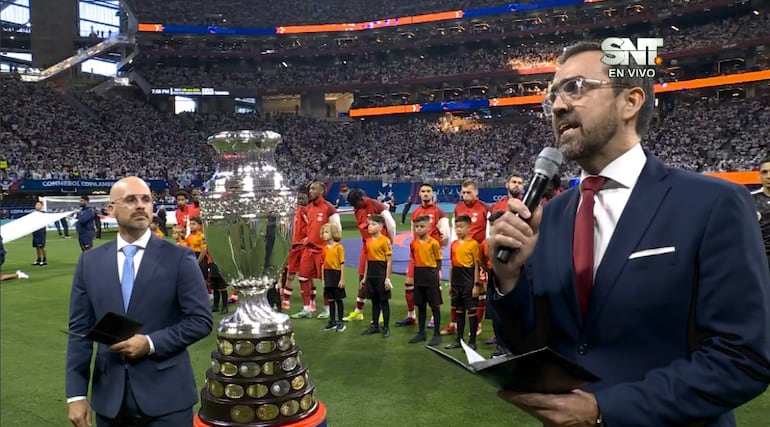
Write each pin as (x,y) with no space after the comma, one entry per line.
(582,349)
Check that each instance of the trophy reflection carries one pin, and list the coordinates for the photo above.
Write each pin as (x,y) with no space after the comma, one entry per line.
(257,376)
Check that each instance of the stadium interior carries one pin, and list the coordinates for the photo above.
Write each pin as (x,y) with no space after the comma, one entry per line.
(381,91)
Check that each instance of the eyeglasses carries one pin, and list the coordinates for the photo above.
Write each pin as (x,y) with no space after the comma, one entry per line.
(134,199)
(573,89)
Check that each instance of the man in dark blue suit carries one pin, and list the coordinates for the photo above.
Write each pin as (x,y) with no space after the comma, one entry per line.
(147,378)
(653,278)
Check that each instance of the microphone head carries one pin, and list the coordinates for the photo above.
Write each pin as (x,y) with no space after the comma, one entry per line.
(548,162)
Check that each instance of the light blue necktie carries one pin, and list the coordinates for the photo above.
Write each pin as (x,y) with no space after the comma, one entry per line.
(127,281)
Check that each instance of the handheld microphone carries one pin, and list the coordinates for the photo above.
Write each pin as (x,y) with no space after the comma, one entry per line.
(547,165)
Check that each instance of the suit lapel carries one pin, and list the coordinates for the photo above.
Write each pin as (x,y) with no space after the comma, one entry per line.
(109,259)
(150,262)
(649,192)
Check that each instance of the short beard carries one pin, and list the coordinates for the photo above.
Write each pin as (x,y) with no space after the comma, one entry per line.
(590,141)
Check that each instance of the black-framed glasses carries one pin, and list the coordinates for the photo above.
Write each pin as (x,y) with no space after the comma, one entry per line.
(134,199)
(571,90)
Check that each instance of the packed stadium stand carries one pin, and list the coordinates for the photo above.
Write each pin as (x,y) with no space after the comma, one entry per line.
(54,130)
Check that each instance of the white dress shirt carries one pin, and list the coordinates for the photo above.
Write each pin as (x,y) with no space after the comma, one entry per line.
(622,174)
(141,243)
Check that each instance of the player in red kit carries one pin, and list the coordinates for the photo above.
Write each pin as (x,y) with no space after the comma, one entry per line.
(185,211)
(298,241)
(515,186)
(438,229)
(477,211)
(319,211)
(363,208)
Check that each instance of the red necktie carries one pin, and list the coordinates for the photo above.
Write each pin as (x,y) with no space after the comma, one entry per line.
(583,242)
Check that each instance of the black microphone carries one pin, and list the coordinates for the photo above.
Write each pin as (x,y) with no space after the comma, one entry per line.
(547,166)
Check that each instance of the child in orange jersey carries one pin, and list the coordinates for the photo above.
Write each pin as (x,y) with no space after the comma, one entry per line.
(379,262)
(155,227)
(197,242)
(425,254)
(464,279)
(334,280)
(178,235)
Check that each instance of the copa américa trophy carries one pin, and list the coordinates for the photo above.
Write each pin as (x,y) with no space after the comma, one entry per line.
(257,375)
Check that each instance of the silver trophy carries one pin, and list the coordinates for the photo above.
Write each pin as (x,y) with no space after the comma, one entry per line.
(257,376)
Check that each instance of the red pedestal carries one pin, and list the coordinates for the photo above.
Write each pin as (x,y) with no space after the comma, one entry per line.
(317,419)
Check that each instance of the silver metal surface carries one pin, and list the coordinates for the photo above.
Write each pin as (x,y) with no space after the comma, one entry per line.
(247,211)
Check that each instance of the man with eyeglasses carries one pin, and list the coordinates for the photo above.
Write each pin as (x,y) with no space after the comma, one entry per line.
(146,379)
(651,277)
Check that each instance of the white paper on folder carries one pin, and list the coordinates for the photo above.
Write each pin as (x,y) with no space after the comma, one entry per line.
(28,223)
(471,354)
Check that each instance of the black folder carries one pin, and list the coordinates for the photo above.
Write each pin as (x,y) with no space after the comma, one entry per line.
(112,328)
(539,371)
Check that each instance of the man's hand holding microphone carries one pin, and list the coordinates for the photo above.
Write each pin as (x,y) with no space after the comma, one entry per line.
(513,236)
(517,230)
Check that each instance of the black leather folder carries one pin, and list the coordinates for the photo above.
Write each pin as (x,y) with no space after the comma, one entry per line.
(112,328)
(539,371)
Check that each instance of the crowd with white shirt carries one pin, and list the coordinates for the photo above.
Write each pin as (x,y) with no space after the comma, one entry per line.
(43,136)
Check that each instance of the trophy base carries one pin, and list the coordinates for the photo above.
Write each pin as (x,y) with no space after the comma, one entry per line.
(316,419)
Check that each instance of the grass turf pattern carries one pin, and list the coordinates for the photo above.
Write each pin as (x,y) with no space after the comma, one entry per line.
(363,380)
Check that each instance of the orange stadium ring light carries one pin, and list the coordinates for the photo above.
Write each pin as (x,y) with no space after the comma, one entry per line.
(743,177)
(753,76)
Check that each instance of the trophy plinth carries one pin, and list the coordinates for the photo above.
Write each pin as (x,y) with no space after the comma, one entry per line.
(257,376)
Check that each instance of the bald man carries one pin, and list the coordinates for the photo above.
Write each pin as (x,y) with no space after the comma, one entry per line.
(147,379)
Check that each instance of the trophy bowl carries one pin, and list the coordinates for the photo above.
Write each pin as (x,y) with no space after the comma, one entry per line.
(247,211)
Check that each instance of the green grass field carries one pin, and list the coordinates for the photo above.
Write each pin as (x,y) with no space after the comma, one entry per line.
(364,381)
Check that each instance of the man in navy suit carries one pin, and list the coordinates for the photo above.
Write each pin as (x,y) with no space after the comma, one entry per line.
(86,224)
(665,291)
(147,378)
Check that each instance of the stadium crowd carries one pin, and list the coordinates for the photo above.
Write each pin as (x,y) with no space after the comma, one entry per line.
(243,13)
(381,68)
(44,136)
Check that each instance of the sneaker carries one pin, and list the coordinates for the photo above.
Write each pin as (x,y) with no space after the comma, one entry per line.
(372,330)
(436,340)
(324,314)
(330,326)
(285,305)
(36,263)
(472,345)
(491,341)
(340,327)
(22,275)
(43,263)
(353,316)
(417,338)
(302,314)
(453,345)
(385,332)
(449,330)
(409,321)
(500,351)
